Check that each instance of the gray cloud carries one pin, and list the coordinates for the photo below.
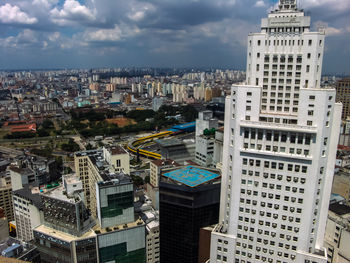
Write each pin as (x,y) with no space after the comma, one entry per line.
(153,32)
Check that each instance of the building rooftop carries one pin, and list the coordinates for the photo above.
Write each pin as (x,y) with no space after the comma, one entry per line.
(116,150)
(31,194)
(192,176)
(165,162)
(339,209)
(7,244)
(71,178)
(106,171)
(62,235)
(59,193)
(169,142)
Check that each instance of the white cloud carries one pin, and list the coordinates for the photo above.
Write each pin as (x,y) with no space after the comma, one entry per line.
(24,39)
(330,31)
(54,36)
(110,35)
(13,15)
(72,11)
(260,3)
(138,12)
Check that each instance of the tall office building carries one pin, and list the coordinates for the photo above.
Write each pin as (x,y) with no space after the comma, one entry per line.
(280,142)
(189,199)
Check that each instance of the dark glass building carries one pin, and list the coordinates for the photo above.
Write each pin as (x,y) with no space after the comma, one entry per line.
(189,199)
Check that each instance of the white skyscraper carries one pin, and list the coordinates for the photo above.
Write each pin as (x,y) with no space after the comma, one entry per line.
(280,142)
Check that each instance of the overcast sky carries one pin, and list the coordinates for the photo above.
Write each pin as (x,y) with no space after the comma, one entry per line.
(156,33)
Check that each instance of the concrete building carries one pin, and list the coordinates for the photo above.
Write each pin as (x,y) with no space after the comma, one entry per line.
(118,157)
(151,218)
(28,211)
(156,167)
(6,198)
(205,138)
(189,200)
(205,149)
(71,234)
(177,149)
(205,121)
(280,143)
(21,177)
(343,95)
(337,238)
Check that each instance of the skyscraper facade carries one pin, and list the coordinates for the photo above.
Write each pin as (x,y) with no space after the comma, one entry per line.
(280,142)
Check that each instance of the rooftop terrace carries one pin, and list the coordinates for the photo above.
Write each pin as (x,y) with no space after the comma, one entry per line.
(192,176)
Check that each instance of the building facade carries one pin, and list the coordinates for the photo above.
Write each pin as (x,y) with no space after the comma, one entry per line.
(343,95)
(91,217)
(27,207)
(337,238)
(280,142)
(189,200)
(6,198)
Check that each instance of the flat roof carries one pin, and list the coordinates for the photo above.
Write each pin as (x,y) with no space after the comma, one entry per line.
(339,209)
(116,150)
(191,176)
(62,235)
(169,142)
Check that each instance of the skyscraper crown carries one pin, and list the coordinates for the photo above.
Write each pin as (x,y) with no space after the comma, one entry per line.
(287,5)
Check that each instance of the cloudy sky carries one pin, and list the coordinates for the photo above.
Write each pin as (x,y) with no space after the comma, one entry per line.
(164,33)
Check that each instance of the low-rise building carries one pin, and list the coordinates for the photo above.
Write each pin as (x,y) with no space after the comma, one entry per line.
(337,236)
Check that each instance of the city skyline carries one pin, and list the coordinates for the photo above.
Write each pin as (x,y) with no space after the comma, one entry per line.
(43,34)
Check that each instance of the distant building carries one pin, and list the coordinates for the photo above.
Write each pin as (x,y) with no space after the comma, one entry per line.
(343,96)
(337,236)
(189,200)
(157,102)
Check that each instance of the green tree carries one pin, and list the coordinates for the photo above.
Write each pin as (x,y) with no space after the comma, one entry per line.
(147,179)
(138,181)
(47,124)
(70,146)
